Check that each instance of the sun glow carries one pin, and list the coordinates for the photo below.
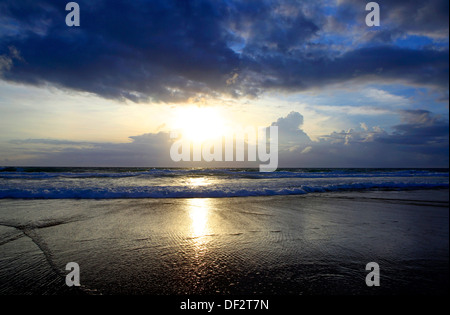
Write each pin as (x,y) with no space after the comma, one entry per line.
(199,123)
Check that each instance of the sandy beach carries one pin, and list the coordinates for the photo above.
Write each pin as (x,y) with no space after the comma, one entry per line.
(315,244)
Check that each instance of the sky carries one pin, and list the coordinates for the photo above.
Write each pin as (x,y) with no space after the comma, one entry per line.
(110,91)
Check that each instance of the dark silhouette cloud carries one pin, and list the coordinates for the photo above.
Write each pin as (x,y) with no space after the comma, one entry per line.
(168,50)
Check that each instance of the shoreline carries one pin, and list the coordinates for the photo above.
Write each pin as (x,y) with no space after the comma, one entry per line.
(295,194)
(312,244)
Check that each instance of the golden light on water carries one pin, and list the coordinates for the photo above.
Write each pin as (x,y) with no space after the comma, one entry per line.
(200,181)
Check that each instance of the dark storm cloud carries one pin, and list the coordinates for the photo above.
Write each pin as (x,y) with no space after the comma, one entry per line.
(167,50)
(425,67)
(124,49)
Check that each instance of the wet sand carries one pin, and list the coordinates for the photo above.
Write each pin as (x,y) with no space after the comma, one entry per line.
(315,244)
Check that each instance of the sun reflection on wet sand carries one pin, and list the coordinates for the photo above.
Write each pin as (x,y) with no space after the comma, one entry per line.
(197,250)
(199,212)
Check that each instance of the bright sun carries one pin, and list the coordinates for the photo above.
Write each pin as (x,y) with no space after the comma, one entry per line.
(199,123)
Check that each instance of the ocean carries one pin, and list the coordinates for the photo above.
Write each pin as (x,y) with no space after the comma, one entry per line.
(119,183)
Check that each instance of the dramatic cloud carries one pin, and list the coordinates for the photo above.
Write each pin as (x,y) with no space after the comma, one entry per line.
(289,130)
(167,50)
